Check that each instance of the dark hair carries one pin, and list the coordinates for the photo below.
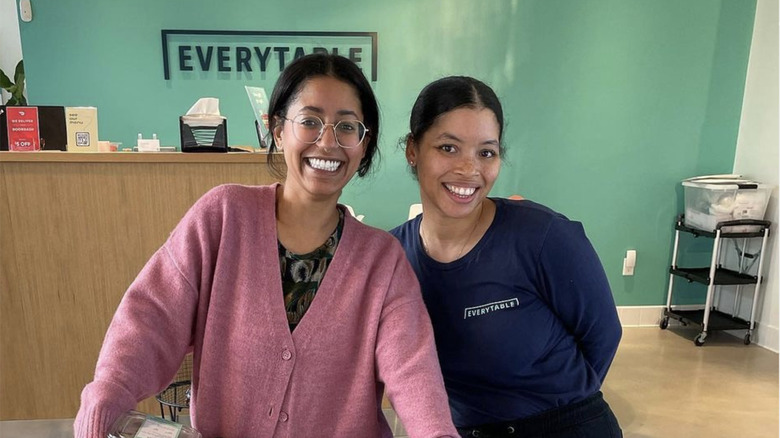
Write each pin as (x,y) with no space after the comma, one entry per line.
(446,94)
(292,80)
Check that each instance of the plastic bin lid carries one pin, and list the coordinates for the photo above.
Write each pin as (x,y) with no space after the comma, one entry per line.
(729,176)
(723,184)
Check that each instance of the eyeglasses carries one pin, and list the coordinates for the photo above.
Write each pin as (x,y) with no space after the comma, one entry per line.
(309,130)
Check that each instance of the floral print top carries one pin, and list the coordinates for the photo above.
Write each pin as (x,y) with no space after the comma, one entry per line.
(302,274)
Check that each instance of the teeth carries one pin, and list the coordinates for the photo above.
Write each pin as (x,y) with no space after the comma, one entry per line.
(327,165)
(461,191)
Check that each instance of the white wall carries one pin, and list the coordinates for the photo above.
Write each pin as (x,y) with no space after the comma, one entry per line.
(757,154)
(10,43)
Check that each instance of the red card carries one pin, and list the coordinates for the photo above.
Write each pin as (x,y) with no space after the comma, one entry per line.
(23,132)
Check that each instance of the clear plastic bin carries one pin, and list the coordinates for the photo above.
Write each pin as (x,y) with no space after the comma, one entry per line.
(709,200)
(134,424)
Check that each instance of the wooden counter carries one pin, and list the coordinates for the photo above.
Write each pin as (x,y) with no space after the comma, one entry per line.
(75,230)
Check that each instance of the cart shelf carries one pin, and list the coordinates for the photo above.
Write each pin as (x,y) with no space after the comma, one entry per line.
(718,320)
(680,226)
(722,276)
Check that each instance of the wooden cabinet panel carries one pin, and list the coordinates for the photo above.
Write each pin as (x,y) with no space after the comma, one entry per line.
(74,233)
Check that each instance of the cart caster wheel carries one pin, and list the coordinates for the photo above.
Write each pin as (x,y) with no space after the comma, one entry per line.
(747,339)
(664,323)
(699,339)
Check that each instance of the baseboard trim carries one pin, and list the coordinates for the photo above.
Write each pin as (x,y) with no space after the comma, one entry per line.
(641,316)
(765,336)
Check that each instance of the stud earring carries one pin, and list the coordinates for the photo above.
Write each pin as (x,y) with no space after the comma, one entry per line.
(411,163)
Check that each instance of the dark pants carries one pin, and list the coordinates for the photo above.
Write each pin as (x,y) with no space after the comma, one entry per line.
(589,418)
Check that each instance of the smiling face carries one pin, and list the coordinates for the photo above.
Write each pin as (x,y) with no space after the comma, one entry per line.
(457,161)
(322,169)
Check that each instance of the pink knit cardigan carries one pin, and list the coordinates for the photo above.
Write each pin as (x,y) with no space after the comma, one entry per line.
(215,288)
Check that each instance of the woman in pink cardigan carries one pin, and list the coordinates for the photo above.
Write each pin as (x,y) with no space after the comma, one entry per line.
(299,317)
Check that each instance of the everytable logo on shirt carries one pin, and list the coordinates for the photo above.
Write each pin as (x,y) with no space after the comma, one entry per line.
(484,309)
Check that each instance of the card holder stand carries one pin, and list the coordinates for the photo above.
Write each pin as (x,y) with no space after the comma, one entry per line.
(203,138)
(260,138)
(51,123)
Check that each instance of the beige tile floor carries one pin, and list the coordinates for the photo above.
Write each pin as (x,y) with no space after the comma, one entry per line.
(660,385)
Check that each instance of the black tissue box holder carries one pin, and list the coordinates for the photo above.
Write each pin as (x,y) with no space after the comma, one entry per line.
(203,138)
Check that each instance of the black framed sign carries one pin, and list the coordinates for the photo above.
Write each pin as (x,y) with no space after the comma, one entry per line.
(205,52)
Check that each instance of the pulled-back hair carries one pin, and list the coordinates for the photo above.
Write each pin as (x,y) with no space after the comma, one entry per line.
(449,93)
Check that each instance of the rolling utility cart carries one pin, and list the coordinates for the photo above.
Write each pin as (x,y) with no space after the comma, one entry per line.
(709,317)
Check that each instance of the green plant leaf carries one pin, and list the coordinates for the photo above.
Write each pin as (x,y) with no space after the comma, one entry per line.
(16,90)
(19,73)
(20,86)
(5,82)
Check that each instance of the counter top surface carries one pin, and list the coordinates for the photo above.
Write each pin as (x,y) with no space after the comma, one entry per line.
(134,157)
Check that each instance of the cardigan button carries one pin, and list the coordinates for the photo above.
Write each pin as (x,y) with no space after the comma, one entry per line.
(286,355)
(283,417)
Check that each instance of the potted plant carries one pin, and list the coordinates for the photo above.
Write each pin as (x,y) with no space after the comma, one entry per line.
(15,88)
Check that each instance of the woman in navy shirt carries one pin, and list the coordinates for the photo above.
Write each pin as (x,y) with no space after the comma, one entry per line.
(525,323)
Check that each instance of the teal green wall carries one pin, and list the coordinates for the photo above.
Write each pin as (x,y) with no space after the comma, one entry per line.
(609,103)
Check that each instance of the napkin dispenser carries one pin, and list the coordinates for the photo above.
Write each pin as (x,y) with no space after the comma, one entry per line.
(203,129)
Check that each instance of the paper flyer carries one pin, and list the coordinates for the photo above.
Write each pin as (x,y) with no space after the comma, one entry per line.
(23,128)
(158,428)
(82,126)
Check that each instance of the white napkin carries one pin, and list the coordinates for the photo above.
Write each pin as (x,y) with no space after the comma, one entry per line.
(205,112)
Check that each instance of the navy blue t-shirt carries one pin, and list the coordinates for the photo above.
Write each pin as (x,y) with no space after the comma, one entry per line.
(525,322)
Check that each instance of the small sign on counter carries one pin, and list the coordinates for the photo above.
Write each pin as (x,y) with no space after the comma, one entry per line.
(23,132)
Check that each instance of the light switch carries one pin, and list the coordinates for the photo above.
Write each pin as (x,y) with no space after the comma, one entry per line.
(25,10)
(629,262)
